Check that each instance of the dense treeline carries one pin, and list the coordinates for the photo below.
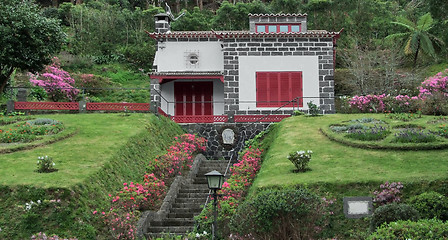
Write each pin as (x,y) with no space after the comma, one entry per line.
(114,29)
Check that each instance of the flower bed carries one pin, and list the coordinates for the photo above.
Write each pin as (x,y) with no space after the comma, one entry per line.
(379,134)
(28,132)
(122,216)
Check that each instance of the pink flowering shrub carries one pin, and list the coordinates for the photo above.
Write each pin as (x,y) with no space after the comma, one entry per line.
(369,103)
(435,84)
(432,99)
(178,158)
(389,193)
(58,83)
(434,94)
(122,216)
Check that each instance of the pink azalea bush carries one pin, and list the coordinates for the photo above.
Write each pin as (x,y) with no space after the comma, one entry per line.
(432,99)
(243,173)
(178,158)
(122,216)
(58,83)
(435,84)
(389,193)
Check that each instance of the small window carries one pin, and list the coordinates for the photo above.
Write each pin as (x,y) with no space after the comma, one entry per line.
(283,28)
(261,28)
(295,28)
(272,28)
(193,59)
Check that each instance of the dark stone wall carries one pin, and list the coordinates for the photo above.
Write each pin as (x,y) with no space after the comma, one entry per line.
(216,149)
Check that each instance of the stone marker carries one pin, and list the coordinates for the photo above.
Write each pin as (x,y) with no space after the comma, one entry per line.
(228,136)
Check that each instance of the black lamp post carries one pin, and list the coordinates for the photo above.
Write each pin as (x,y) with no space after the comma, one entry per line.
(214,180)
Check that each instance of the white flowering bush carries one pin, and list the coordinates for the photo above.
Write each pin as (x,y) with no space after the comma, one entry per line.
(45,165)
(300,159)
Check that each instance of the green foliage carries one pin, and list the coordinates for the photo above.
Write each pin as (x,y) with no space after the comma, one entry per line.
(5,120)
(38,93)
(412,135)
(44,121)
(28,39)
(405,117)
(196,20)
(300,159)
(421,229)
(313,109)
(280,214)
(234,16)
(391,213)
(45,165)
(417,36)
(431,205)
(374,133)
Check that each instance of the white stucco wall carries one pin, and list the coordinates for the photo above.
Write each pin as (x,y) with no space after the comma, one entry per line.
(249,65)
(172,56)
(167,90)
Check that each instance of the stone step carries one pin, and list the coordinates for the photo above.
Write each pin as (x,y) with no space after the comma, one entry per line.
(187,205)
(195,211)
(177,230)
(204,191)
(182,214)
(190,200)
(173,222)
(193,194)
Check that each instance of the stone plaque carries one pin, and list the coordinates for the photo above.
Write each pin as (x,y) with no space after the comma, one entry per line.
(357,207)
(228,136)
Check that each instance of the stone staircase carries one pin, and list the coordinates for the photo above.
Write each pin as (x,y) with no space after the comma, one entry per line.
(187,204)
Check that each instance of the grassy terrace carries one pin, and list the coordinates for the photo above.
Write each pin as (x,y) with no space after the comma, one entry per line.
(336,163)
(77,157)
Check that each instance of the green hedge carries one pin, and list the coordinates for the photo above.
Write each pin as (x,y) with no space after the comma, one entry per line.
(422,229)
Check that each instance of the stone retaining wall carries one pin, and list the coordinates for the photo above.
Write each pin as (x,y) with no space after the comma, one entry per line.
(216,146)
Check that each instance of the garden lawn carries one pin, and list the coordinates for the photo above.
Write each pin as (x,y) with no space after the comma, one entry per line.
(77,157)
(336,163)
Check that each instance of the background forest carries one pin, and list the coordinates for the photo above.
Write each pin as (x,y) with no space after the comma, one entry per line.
(387,46)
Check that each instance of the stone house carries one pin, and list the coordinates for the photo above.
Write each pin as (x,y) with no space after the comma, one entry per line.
(276,67)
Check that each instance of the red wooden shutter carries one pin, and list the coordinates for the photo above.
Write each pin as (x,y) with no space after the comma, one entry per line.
(262,89)
(274,89)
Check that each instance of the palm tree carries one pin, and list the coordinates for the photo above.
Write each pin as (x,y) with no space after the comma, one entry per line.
(417,36)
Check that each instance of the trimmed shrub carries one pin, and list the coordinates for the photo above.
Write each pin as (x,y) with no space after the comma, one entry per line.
(422,229)
(391,213)
(431,205)
(280,214)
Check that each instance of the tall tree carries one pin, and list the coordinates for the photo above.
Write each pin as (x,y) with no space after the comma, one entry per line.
(417,37)
(27,39)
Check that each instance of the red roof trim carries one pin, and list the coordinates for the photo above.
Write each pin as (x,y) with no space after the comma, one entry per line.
(166,78)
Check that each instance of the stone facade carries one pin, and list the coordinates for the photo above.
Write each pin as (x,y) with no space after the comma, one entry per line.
(292,47)
(216,149)
(234,48)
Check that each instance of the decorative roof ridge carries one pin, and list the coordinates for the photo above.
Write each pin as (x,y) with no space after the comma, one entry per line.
(278,15)
(230,34)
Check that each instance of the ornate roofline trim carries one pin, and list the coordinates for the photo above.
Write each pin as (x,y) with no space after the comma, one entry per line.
(242,34)
(279,15)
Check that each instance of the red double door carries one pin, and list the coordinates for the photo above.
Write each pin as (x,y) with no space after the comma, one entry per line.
(193,98)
